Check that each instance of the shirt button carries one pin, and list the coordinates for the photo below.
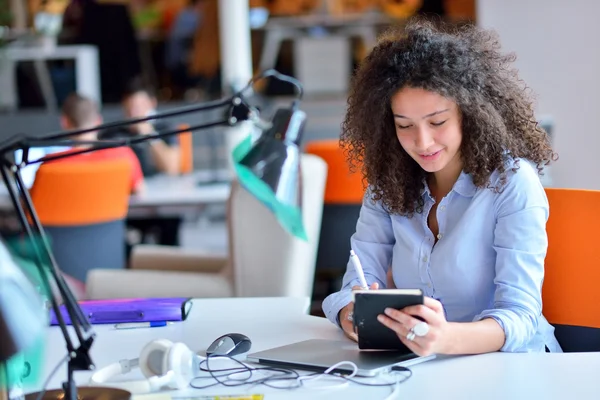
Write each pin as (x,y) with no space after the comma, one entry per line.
(439,236)
(425,258)
(429,285)
(442,208)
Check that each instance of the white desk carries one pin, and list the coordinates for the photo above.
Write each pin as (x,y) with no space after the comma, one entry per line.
(279,29)
(87,71)
(189,189)
(175,195)
(164,195)
(299,29)
(275,321)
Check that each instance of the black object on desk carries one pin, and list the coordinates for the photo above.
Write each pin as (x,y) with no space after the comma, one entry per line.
(368,304)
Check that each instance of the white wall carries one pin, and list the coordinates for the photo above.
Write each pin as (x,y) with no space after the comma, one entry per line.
(557,44)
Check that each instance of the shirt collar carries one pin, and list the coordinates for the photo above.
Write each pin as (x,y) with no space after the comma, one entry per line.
(464,186)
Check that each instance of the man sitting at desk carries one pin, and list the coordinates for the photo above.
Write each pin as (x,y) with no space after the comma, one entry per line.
(79,112)
(155,156)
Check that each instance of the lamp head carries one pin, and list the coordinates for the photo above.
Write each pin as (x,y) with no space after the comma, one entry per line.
(270,168)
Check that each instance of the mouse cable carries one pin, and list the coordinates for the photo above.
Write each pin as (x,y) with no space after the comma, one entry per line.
(283,378)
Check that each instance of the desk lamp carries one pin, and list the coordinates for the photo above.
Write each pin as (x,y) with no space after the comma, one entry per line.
(268,168)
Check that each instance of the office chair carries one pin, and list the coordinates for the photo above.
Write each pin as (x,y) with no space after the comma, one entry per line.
(82,207)
(263,259)
(344,193)
(570,293)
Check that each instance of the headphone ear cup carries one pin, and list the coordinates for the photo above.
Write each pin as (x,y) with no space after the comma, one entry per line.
(152,357)
(180,359)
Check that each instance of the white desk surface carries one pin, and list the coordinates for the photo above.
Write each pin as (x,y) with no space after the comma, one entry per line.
(189,189)
(271,322)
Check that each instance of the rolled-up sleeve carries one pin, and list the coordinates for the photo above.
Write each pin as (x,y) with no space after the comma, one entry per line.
(372,242)
(521,243)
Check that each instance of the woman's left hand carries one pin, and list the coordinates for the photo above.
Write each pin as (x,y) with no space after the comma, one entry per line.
(435,341)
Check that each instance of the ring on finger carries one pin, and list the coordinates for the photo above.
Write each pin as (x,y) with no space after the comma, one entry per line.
(421,329)
(350,316)
(411,335)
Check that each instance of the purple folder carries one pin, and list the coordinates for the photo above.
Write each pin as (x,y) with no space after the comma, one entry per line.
(130,310)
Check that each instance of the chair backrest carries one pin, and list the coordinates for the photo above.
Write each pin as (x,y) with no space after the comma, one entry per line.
(82,193)
(570,293)
(265,259)
(186,150)
(343,198)
(82,206)
(343,187)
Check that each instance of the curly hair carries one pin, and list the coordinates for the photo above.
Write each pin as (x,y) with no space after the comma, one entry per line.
(463,64)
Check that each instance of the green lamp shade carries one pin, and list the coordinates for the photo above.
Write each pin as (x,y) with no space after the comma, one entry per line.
(270,169)
(22,313)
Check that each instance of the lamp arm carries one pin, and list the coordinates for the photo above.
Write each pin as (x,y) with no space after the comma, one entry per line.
(94,145)
(229,102)
(237,111)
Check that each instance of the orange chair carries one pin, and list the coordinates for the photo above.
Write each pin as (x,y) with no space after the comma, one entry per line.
(571,290)
(82,206)
(343,187)
(344,193)
(186,149)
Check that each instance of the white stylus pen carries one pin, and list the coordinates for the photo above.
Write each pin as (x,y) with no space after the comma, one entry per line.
(359,270)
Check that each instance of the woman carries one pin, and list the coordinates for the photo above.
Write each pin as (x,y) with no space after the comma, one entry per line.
(447,140)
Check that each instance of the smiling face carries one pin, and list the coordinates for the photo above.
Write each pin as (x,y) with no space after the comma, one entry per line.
(428,127)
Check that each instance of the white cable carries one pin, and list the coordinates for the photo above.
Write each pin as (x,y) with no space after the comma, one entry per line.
(350,363)
(396,378)
(395,392)
(399,379)
(328,373)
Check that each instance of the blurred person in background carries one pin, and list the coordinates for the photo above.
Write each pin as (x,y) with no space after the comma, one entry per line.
(79,112)
(155,156)
(179,43)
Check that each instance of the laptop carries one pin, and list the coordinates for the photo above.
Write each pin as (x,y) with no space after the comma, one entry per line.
(320,354)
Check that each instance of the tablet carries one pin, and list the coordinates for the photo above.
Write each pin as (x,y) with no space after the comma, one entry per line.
(368,304)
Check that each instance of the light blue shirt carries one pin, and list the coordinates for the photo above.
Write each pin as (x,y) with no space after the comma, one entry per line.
(488,261)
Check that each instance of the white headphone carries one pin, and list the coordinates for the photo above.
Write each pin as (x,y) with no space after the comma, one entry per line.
(164,364)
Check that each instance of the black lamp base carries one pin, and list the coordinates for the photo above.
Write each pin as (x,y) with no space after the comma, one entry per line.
(84,393)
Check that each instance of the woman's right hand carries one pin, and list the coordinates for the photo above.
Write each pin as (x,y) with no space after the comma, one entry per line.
(348,324)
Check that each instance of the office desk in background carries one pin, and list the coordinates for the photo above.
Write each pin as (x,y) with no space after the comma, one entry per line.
(321,35)
(271,322)
(178,195)
(165,195)
(87,72)
(279,29)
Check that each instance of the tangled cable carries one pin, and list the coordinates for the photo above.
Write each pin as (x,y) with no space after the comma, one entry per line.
(282,378)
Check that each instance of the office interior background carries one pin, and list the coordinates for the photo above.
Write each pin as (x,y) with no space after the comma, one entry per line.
(47,52)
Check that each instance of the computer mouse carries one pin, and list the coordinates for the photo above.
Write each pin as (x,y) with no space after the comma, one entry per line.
(230,344)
